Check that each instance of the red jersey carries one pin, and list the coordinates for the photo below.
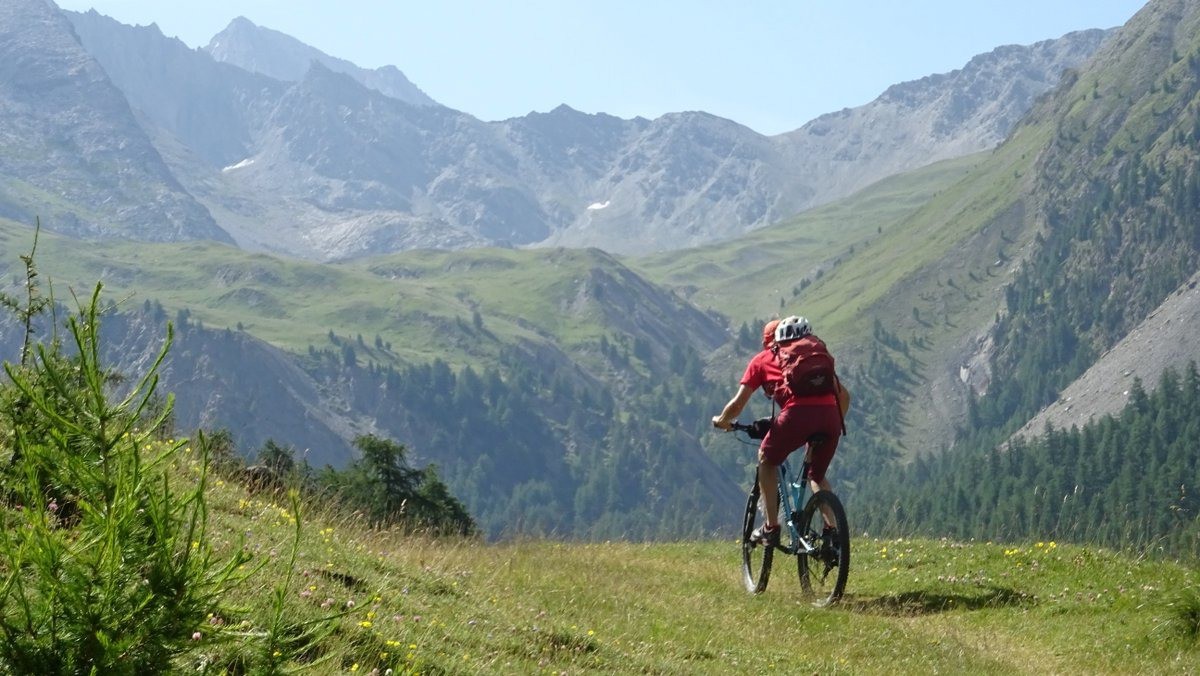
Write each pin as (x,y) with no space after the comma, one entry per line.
(763,371)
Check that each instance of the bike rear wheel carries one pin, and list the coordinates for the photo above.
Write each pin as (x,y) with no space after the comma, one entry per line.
(825,568)
(756,556)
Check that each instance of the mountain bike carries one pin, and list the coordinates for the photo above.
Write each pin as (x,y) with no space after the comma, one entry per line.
(818,535)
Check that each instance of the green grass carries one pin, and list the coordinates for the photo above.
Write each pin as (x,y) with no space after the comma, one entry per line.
(881,252)
(887,276)
(534,289)
(930,242)
(912,606)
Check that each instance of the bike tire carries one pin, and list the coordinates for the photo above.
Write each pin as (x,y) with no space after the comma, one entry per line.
(823,573)
(756,557)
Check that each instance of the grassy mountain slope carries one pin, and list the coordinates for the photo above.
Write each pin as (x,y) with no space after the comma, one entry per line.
(416,301)
(753,275)
(947,237)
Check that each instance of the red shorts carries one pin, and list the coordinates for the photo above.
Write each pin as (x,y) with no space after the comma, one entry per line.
(794,426)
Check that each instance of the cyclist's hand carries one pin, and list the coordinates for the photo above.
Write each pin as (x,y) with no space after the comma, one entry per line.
(721,424)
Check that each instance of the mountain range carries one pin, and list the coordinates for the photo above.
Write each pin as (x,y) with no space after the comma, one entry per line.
(296,152)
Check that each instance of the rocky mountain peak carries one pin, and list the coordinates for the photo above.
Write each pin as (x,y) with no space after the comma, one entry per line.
(280,56)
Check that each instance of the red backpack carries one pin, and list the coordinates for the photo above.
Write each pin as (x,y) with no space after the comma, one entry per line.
(807,368)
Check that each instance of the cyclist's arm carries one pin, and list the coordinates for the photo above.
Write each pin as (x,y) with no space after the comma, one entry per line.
(734,408)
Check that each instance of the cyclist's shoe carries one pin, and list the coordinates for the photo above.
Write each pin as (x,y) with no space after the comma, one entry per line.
(764,535)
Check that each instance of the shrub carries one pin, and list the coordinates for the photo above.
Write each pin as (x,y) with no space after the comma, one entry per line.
(104,566)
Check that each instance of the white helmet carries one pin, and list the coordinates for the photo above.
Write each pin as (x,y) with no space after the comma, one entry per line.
(791,328)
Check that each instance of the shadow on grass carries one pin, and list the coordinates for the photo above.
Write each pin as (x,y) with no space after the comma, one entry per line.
(914,603)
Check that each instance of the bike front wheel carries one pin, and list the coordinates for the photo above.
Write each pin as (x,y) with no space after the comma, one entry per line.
(824,556)
(756,556)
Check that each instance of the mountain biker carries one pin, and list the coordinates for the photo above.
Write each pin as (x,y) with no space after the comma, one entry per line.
(800,419)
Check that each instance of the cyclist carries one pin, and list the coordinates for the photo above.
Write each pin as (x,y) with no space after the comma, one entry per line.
(799,419)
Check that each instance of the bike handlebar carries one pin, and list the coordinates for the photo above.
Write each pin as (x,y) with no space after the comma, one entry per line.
(754,430)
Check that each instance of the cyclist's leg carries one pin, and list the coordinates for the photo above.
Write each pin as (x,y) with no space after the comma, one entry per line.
(768,488)
(824,431)
(820,454)
(826,423)
(787,433)
(779,442)
(823,484)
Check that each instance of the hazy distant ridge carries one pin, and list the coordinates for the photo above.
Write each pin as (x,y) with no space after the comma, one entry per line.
(315,157)
(934,118)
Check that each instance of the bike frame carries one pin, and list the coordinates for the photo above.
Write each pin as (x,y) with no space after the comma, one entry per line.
(791,500)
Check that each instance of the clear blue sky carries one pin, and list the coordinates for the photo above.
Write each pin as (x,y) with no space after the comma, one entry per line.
(769,64)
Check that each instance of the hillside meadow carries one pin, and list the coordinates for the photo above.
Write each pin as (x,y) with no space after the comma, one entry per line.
(413,604)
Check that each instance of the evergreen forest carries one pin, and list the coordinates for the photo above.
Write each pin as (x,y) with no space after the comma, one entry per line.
(1127,481)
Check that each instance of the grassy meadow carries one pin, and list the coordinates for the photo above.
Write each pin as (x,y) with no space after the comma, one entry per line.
(419,605)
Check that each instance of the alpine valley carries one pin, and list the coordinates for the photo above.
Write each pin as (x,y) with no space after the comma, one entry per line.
(1003,258)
